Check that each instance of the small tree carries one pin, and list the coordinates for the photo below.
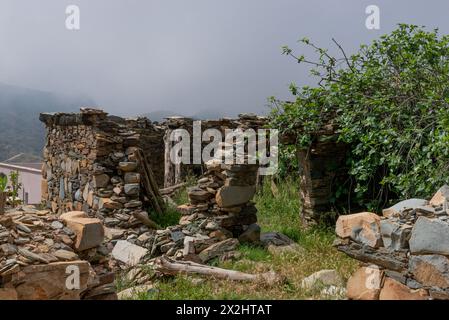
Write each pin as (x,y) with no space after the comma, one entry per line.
(16,186)
(390,103)
(3,183)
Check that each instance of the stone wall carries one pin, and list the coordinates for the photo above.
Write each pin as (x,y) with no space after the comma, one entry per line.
(90,165)
(175,173)
(322,167)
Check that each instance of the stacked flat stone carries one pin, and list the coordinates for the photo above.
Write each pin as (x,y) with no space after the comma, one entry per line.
(405,253)
(37,248)
(176,172)
(219,216)
(90,165)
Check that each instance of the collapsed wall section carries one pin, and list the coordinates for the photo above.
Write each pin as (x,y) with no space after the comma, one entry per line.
(176,173)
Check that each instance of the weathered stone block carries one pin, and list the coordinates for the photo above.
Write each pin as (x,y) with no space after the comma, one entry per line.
(230,196)
(218,249)
(430,270)
(365,284)
(54,281)
(128,253)
(441,196)
(361,227)
(394,235)
(132,189)
(430,236)
(100,181)
(393,290)
(89,231)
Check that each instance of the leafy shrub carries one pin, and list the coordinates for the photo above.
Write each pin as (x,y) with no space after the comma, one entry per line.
(389,102)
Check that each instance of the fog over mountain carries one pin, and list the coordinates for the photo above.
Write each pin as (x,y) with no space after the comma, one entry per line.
(201,58)
(20,128)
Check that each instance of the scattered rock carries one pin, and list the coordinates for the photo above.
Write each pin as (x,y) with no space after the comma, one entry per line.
(218,249)
(360,227)
(251,235)
(89,232)
(132,292)
(128,253)
(322,278)
(275,238)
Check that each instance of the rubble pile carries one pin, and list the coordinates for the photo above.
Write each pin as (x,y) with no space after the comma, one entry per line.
(43,256)
(175,173)
(219,216)
(405,252)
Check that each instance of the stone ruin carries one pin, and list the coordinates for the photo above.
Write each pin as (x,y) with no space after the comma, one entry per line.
(91,165)
(101,174)
(39,251)
(176,173)
(405,253)
(219,216)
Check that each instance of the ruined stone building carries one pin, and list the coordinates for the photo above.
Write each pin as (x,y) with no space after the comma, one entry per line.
(89,164)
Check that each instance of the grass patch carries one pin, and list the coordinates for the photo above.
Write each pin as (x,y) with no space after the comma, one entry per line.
(170,217)
(282,214)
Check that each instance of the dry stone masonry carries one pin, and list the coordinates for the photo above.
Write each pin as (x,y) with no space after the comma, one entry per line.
(39,251)
(91,164)
(219,216)
(405,253)
(175,173)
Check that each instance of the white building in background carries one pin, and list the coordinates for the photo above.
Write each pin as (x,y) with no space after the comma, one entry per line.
(30,177)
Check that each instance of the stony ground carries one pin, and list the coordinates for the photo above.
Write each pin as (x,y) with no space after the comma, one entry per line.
(276,213)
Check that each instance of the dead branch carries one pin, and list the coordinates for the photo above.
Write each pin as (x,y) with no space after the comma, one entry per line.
(169,266)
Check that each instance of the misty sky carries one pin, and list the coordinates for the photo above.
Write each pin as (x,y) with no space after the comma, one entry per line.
(137,56)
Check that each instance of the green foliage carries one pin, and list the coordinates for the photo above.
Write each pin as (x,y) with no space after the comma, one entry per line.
(282,212)
(3,182)
(16,186)
(169,217)
(389,102)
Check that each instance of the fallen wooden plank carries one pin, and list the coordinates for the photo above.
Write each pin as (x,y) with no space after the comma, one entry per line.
(169,266)
(170,190)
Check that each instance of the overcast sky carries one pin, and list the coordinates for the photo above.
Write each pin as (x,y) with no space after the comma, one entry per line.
(137,56)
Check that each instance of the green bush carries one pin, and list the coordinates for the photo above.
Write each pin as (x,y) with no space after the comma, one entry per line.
(389,102)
